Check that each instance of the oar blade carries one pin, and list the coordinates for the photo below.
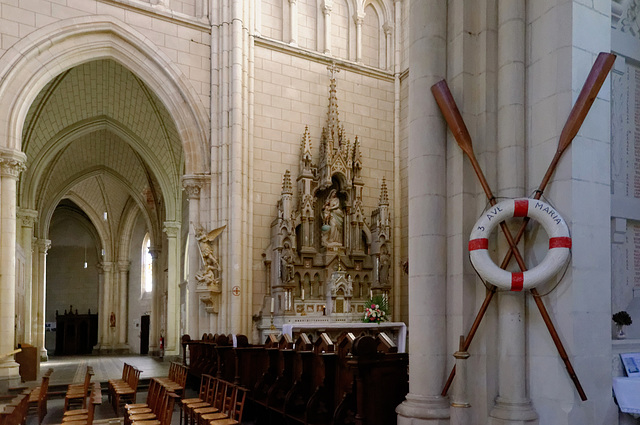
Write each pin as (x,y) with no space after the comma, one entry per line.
(588,94)
(452,115)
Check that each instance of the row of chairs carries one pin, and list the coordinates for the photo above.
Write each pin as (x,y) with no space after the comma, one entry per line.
(84,416)
(158,410)
(218,403)
(76,395)
(124,390)
(176,379)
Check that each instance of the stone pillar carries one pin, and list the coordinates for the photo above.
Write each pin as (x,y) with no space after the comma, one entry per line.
(293,22)
(27,220)
(388,46)
(326,12)
(358,19)
(43,246)
(123,297)
(193,186)
(11,165)
(427,223)
(172,335)
(512,406)
(154,326)
(107,305)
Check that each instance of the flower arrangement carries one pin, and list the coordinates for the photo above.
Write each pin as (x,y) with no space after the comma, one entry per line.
(376,310)
(622,318)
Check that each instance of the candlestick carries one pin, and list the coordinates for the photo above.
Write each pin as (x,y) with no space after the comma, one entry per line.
(273,303)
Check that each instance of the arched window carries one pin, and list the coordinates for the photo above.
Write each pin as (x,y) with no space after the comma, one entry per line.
(147,266)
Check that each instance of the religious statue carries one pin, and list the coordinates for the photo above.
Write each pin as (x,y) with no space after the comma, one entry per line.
(332,219)
(383,269)
(209,274)
(287,267)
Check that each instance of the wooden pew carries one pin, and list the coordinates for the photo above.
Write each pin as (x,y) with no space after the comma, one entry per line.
(15,413)
(320,406)
(371,368)
(303,368)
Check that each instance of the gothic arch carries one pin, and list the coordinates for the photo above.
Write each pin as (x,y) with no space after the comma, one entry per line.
(35,60)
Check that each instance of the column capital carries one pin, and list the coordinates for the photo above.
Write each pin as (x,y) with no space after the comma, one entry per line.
(106,266)
(43,245)
(358,18)
(171,228)
(293,1)
(123,266)
(387,28)
(327,5)
(154,252)
(28,216)
(193,184)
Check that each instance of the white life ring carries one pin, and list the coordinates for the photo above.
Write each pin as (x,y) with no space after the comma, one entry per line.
(556,258)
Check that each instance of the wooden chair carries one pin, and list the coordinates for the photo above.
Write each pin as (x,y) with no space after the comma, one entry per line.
(84,416)
(77,393)
(126,392)
(38,397)
(126,370)
(154,395)
(233,414)
(211,401)
(163,411)
(177,378)
(205,382)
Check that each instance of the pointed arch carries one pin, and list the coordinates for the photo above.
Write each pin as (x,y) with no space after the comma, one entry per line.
(35,60)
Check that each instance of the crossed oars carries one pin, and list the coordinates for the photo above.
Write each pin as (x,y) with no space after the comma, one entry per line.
(452,115)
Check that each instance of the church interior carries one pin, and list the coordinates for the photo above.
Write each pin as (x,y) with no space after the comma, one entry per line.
(310,176)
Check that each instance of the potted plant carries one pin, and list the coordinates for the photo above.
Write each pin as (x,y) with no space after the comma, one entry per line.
(621,319)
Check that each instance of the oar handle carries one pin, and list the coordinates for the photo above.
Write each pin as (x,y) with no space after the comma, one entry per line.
(452,115)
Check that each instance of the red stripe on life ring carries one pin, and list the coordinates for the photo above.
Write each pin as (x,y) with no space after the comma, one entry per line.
(481,243)
(517,281)
(560,242)
(520,207)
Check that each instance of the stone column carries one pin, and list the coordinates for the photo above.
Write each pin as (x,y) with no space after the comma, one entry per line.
(358,19)
(293,21)
(326,12)
(154,326)
(123,296)
(172,336)
(388,46)
(27,220)
(43,246)
(107,304)
(427,223)
(512,406)
(193,185)
(11,165)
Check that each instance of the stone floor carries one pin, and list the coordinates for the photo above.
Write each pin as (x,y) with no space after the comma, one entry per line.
(71,369)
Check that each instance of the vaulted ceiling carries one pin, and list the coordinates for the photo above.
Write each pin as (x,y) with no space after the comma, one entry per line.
(97,135)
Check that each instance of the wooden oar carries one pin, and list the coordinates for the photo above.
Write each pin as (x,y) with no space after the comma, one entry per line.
(452,115)
(598,74)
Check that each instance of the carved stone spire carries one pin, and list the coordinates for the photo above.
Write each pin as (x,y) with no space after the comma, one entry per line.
(384,195)
(305,152)
(287,188)
(333,121)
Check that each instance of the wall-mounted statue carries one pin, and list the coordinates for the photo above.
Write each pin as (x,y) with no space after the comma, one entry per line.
(209,276)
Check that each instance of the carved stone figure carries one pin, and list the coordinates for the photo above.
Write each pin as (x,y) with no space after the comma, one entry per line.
(287,267)
(333,219)
(209,274)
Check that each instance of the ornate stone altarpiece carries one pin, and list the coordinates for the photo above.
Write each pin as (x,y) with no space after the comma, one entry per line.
(325,259)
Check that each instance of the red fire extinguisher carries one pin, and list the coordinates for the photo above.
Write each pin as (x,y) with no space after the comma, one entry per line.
(161,346)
